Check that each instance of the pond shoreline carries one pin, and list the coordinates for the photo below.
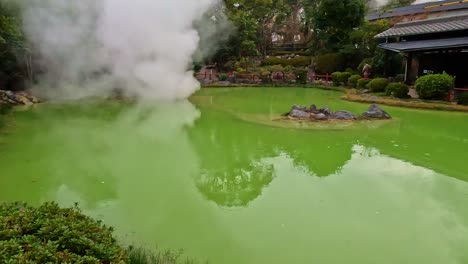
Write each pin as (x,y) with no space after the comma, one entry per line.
(405,104)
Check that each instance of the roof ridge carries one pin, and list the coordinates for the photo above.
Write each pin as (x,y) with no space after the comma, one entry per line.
(432,20)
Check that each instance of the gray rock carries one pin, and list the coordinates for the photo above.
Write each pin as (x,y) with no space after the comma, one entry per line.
(375,112)
(365,91)
(343,115)
(320,116)
(325,111)
(313,109)
(296,113)
(297,107)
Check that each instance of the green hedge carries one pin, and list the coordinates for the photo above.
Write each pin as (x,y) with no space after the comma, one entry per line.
(328,63)
(378,85)
(362,83)
(301,76)
(49,234)
(344,77)
(339,78)
(353,80)
(434,86)
(399,90)
(336,78)
(301,61)
(462,99)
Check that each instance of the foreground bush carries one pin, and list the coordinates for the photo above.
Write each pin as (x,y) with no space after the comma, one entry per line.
(462,99)
(353,80)
(362,83)
(49,234)
(399,90)
(434,86)
(378,85)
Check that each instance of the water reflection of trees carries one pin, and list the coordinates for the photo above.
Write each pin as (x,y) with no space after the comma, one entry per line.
(232,154)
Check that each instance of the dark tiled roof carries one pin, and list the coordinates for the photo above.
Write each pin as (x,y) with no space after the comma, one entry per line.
(427,26)
(447,5)
(433,44)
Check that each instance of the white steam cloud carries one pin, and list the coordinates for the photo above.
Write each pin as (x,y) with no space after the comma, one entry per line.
(142,47)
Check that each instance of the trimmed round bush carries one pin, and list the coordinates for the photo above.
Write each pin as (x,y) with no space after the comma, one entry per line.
(462,99)
(353,80)
(362,83)
(50,234)
(301,76)
(399,90)
(336,78)
(378,85)
(434,86)
(344,77)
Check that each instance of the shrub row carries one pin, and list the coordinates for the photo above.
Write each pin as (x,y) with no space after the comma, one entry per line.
(339,78)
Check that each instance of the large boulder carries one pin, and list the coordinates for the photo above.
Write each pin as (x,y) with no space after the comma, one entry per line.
(343,115)
(297,113)
(375,112)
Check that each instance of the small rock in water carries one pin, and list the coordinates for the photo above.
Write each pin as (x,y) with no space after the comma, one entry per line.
(295,113)
(325,110)
(301,108)
(375,112)
(343,115)
(313,109)
(320,116)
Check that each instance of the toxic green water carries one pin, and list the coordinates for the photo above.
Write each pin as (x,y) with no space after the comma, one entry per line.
(226,181)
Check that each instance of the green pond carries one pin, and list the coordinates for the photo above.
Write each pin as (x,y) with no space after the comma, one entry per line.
(225,178)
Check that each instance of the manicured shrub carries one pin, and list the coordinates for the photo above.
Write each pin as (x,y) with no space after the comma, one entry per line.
(399,90)
(301,76)
(462,99)
(434,86)
(49,234)
(336,78)
(378,85)
(362,83)
(344,77)
(328,63)
(353,80)
(301,61)
(400,78)
(350,70)
(223,77)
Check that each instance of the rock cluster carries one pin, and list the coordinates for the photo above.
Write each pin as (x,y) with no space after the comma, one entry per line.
(312,113)
(17,98)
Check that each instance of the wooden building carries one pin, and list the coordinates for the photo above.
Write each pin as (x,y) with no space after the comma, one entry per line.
(432,45)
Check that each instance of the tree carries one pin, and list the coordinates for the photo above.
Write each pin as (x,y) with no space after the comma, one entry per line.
(14,54)
(333,21)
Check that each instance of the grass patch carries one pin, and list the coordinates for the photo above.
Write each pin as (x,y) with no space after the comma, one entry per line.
(444,106)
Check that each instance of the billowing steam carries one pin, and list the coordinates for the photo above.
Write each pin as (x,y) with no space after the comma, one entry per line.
(143,48)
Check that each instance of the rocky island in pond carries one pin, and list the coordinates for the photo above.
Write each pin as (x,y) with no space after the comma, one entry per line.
(323,114)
